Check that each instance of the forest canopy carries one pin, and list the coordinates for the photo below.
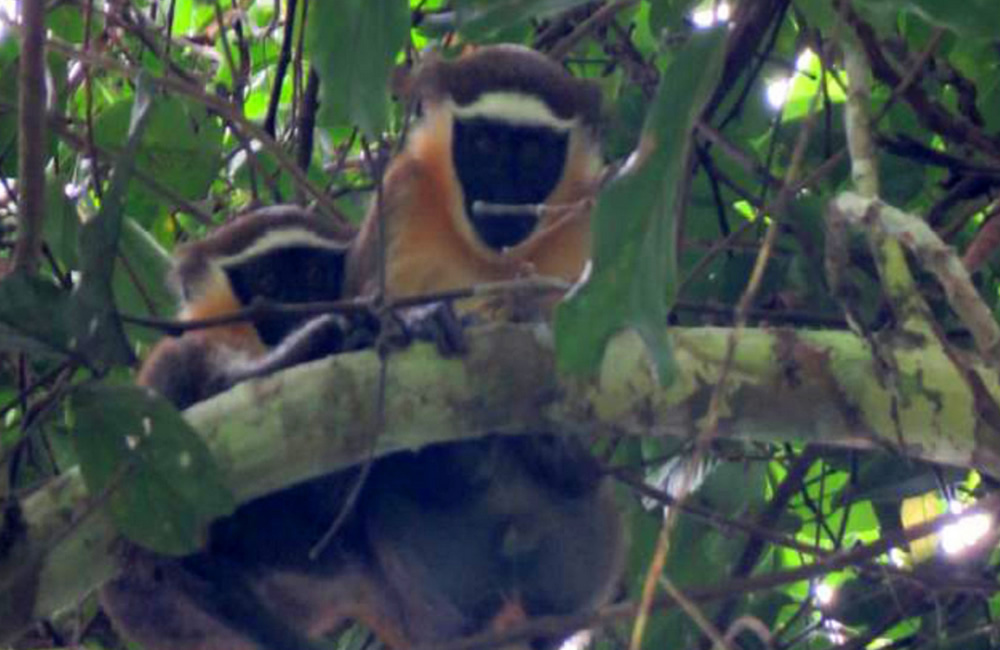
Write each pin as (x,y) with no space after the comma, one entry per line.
(794,286)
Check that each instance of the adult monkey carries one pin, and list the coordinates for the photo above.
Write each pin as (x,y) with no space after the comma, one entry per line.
(495,183)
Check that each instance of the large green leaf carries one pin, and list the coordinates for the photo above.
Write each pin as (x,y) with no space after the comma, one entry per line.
(353,44)
(668,14)
(634,278)
(975,18)
(62,223)
(163,487)
(181,150)
(479,18)
(97,329)
(140,279)
(34,316)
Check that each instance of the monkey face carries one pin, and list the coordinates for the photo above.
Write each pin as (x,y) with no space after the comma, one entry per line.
(277,255)
(286,274)
(506,165)
(496,179)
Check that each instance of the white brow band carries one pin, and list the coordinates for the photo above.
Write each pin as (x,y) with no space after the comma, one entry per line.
(283,238)
(516,108)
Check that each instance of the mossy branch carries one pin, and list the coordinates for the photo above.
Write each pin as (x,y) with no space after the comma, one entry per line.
(815,387)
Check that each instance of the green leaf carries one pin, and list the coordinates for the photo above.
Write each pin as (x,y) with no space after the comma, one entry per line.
(97,328)
(34,316)
(9,56)
(882,478)
(162,485)
(67,22)
(353,44)
(140,279)
(974,18)
(181,150)
(478,19)
(634,277)
(61,224)
(819,14)
(668,14)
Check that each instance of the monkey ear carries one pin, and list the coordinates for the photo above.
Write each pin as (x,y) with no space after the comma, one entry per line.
(416,80)
(403,82)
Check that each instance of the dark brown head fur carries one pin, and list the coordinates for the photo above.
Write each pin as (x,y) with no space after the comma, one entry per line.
(192,259)
(510,68)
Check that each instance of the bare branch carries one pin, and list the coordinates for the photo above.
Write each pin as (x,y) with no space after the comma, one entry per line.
(31,144)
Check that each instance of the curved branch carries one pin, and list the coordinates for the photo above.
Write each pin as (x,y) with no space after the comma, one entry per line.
(310,420)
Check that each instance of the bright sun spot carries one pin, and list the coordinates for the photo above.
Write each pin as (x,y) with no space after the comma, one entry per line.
(807,59)
(823,593)
(712,14)
(579,641)
(8,10)
(777,92)
(965,532)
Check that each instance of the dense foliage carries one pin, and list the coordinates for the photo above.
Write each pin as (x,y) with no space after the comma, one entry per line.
(164,117)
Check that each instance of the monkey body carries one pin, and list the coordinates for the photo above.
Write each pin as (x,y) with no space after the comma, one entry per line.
(491,531)
(279,254)
(494,531)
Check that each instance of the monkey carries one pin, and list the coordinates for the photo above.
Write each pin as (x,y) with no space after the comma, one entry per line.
(279,254)
(447,541)
(213,598)
(482,535)
(495,181)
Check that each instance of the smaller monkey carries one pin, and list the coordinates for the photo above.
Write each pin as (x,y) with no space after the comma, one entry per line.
(254,587)
(279,254)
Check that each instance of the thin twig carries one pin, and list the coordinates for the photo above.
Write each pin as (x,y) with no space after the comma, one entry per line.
(229,113)
(538,210)
(281,69)
(601,17)
(227,53)
(695,614)
(261,309)
(723,524)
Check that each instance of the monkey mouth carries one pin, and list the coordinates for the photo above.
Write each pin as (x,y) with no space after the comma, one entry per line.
(502,226)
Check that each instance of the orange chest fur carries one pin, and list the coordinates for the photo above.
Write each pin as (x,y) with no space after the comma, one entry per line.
(220,301)
(433,248)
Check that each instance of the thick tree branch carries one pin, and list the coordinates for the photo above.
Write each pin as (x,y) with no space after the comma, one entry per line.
(266,434)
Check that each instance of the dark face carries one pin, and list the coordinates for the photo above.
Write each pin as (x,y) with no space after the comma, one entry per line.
(507,164)
(288,274)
